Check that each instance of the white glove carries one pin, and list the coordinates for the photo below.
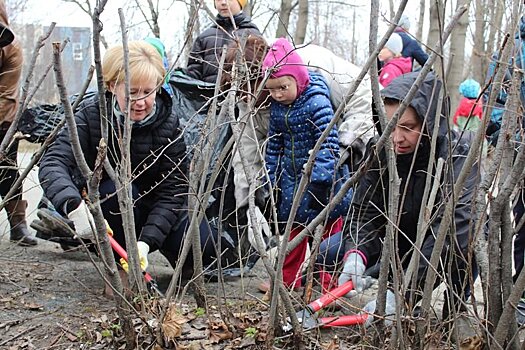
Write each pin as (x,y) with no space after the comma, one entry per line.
(390,309)
(353,269)
(83,221)
(261,223)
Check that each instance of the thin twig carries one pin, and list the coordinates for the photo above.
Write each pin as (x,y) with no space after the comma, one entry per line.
(19,334)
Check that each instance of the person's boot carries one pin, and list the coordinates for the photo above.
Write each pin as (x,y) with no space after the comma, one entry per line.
(16,212)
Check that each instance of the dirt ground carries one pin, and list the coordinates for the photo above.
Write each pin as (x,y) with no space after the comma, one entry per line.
(51,299)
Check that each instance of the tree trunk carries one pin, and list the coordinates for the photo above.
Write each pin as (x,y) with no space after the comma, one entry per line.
(457,55)
(436,22)
(480,55)
(495,26)
(353,53)
(154,19)
(192,26)
(302,22)
(284,19)
(248,8)
(421,20)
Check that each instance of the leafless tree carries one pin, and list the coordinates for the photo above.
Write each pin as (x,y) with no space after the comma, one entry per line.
(456,55)
(284,18)
(87,8)
(302,22)
(421,20)
(15,8)
(437,14)
(480,55)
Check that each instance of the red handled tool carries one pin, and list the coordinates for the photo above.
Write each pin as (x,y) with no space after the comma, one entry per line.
(124,255)
(307,315)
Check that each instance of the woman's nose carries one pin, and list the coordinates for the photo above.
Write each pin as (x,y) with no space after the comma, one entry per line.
(140,101)
(396,136)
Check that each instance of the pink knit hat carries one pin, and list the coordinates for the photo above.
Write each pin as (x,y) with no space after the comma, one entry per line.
(282,59)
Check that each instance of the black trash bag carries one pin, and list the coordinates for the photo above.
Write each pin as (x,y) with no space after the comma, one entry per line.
(190,97)
(191,100)
(237,254)
(36,123)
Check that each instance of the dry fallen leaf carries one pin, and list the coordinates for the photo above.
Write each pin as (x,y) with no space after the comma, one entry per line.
(199,324)
(472,343)
(172,325)
(34,306)
(261,336)
(71,337)
(333,345)
(267,296)
(219,331)
(246,342)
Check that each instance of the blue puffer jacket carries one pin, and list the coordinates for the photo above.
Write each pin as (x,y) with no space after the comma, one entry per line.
(294,130)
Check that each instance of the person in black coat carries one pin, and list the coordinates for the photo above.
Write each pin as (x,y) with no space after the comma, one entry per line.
(361,246)
(205,55)
(157,155)
(411,47)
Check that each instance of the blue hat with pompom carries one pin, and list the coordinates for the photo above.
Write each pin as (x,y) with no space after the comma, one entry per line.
(469,88)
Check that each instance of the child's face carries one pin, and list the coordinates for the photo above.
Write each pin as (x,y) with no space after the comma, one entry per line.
(385,54)
(406,133)
(227,7)
(282,89)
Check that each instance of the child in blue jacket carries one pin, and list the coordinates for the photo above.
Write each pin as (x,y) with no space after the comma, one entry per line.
(300,113)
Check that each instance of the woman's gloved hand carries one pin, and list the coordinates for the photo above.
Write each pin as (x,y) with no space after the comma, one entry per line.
(83,221)
(354,269)
(143,249)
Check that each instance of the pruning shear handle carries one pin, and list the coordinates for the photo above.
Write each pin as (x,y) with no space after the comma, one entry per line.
(152,284)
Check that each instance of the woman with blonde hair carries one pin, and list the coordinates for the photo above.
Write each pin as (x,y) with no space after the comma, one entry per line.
(157,149)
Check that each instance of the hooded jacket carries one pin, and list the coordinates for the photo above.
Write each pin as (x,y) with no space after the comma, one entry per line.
(294,130)
(205,55)
(11,61)
(158,164)
(394,68)
(367,222)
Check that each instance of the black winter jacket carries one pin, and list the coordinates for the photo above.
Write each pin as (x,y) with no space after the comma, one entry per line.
(205,55)
(367,223)
(158,164)
(411,48)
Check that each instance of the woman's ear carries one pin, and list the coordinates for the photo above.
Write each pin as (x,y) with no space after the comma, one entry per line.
(111,87)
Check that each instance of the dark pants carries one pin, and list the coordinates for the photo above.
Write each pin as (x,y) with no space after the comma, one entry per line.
(172,245)
(519,240)
(331,254)
(9,168)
